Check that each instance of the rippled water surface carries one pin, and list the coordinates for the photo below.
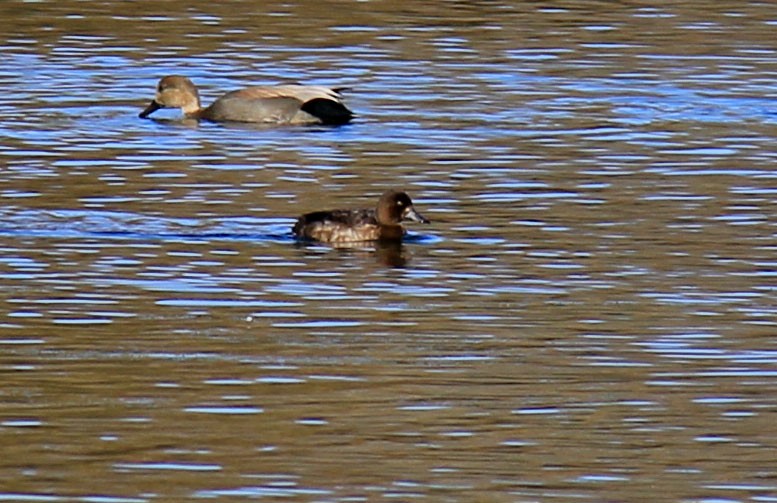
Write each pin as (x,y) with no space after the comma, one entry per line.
(590,316)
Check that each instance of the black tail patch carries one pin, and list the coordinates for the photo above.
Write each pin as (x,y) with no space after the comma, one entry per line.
(329,112)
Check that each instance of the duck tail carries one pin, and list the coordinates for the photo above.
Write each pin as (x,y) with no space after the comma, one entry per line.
(329,112)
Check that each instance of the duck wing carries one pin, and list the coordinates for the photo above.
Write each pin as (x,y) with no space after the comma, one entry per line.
(337,225)
(286,104)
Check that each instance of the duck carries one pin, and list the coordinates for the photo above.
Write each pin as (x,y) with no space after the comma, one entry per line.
(283,104)
(382,223)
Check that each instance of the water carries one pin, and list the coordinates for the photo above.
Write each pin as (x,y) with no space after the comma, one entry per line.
(589,316)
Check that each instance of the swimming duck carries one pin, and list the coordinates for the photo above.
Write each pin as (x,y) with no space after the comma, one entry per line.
(348,226)
(284,104)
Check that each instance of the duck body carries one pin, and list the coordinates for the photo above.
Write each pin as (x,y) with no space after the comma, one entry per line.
(283,104)
(350,226)
(345,226)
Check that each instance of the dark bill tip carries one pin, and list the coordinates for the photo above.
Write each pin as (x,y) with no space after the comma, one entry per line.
(150,109)
(412,214)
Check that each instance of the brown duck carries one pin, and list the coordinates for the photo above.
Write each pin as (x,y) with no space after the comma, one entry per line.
(283,104)
(347,226)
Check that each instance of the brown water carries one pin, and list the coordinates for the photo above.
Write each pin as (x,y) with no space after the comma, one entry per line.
(589,317)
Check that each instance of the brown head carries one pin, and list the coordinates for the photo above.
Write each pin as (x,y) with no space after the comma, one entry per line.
(174,91)
(395,206)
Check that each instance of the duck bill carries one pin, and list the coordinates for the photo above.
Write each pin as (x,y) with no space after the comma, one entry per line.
(412,214)
(150,109)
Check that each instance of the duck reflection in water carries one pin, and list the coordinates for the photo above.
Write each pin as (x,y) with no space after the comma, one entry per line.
(386,253)
(391,254)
